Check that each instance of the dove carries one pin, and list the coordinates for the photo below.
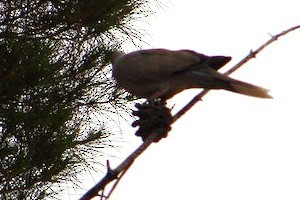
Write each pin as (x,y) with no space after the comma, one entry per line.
(163,73)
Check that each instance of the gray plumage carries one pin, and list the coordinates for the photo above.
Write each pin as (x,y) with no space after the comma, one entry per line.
(162,73)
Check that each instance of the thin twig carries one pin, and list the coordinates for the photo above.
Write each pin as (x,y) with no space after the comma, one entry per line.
(114,173)
(251,55)
(118,172)
(116,183)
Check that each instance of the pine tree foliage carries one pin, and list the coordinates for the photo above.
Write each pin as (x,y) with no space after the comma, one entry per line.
(54,81)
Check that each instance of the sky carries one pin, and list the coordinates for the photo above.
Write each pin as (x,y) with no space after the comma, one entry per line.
(228,146)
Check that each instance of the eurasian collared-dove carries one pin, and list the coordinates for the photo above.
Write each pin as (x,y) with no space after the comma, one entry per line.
(162,73)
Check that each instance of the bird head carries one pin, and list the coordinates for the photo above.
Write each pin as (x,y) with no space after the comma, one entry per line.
(116,55)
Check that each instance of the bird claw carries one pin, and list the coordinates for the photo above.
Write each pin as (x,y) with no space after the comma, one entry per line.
(155,102)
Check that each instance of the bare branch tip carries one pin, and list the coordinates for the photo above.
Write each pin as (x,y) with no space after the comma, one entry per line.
(252,54)
(108,166)
(274,37)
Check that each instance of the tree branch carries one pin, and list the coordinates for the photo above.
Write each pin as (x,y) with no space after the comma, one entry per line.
(114,174)
(118,172)
(251,55)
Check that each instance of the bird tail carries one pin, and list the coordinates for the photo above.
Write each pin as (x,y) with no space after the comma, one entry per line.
(211,79)
(247,89)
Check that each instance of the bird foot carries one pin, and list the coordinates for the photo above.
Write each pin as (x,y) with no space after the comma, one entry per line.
(155,102)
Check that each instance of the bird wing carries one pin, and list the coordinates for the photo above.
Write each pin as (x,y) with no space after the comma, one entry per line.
(155,64)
